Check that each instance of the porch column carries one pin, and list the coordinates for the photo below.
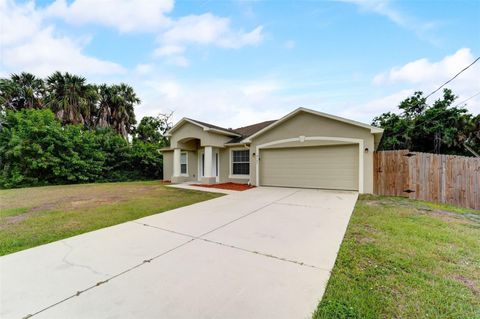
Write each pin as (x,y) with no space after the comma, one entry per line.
(176,162)
(208,162)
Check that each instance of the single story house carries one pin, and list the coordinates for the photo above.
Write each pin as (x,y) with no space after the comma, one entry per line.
(305,148)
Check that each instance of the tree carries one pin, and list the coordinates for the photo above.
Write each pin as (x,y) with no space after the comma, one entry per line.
(123,100)
(68,97)
(439,128)
(153,129)
(36,150)
(21,91)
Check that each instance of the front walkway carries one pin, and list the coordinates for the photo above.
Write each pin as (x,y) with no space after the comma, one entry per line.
(262,253)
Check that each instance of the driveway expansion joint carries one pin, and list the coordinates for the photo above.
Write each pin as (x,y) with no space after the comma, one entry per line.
(190,240)
(200,237)
(78,293)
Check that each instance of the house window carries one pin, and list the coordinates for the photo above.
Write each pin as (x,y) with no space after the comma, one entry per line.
(241,162)
(183,163)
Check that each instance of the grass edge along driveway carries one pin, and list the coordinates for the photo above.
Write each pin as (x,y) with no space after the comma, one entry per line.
(34,216)
(402,258)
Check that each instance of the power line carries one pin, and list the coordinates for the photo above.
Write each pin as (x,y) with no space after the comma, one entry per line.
(441,86)
(468,99)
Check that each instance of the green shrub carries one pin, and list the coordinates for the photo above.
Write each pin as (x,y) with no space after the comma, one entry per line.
(36,150)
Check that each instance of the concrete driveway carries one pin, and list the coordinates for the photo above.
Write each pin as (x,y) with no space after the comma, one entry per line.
(262,253)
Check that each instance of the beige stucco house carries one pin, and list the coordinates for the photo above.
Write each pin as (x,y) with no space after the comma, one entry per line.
(305,148)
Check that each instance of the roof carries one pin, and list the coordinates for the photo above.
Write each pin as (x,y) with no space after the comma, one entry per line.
(210,125)
(249,130)
(373,129)
(245,134)
(205,127)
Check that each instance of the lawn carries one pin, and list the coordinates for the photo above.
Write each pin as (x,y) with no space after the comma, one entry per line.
(33,216)
(406,259)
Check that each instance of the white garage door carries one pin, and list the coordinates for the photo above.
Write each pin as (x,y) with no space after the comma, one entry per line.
(330,167)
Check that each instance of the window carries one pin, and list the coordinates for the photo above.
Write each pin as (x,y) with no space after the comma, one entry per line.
(183,163)
(241,162)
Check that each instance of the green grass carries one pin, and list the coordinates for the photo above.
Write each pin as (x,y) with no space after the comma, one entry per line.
(34,216)
(406,259)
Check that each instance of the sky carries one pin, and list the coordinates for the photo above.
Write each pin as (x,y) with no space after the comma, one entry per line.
(238,62)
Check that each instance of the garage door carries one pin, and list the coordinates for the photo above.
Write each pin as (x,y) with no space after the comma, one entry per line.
(330,167)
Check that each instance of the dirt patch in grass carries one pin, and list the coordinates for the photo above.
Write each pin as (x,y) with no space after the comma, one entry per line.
(470,283)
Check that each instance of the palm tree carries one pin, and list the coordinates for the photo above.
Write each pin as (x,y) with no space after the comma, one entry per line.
(68,97)
(92,97)
(123,100)
(22,91)
(103,117)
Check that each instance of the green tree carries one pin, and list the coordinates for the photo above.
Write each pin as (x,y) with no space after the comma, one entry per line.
(122,111)
(21,91)
(36,150)
(68,97)
(154,129)
(439,128)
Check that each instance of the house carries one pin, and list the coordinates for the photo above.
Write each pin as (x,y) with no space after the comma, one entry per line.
(305,148)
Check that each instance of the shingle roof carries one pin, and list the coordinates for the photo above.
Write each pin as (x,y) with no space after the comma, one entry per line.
(246,131)
(212,126)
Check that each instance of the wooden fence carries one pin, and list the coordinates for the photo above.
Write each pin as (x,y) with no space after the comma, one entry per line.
(438,178)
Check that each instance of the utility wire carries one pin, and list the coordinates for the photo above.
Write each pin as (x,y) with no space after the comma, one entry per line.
(456,75)
(463,70)
(468,99)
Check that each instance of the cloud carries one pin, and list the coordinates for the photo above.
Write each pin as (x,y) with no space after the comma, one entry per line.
(209,29)
(425,75)
(144,68)
(422,70)
(225,102)
(148,16)
(204,29)
(36,48)
(368,110)
(384,8)
(17,22)
(123,15)
(169,50)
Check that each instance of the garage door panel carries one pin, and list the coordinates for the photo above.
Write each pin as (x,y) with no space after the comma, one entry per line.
(333,167)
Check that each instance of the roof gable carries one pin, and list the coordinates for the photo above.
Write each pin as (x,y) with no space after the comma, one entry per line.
(205,126)
(373,129)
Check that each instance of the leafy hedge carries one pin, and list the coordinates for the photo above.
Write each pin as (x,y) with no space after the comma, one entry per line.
(35,149)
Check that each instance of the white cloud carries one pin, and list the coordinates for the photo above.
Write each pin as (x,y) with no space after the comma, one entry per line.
(384,7)
(225,102)
(428,75)
(124,15)
(37,49)
(368,110)
(205,29)
(168,50)
(422,70)
(144,68)
(209,29)
(17,22)
(179,61)
(45,53)
(149,16)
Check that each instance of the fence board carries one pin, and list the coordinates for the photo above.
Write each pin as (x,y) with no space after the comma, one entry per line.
(438,178)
